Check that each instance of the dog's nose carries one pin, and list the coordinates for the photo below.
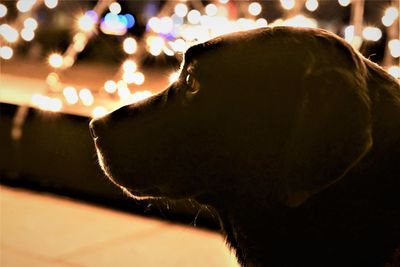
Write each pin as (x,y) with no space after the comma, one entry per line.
(94,127)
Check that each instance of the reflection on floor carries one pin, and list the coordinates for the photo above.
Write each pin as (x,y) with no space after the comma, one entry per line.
(44,230)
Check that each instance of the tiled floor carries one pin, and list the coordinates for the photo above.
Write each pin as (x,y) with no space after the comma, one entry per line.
(44,230)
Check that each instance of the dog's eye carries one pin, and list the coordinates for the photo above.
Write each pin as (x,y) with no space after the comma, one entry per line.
(192,83)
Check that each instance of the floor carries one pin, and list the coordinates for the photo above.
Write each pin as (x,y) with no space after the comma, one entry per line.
(47,230)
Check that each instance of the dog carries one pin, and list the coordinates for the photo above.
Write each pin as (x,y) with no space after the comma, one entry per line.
(289,134)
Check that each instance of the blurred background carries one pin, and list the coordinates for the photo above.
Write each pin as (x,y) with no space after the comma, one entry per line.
(65,62)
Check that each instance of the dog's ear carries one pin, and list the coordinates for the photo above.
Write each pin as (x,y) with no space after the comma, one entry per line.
(331,133)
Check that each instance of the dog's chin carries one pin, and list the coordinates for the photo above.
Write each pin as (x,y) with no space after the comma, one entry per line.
(142,194)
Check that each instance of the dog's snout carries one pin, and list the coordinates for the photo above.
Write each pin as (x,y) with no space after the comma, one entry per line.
(94,127)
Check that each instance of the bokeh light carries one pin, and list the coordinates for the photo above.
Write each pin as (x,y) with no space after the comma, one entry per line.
(390,16)
(312,5)
(3,10)
(194,16)
(27,34)
(173,77)
(51,3)
(55,60)
(129,66)
(9,33)
(86,23)
(86,97)
(25,5)
(288,4)
(211,10)
(99,112)
(181,10)
(115,8)
(344,3)
(129,45)
(70,95)
(30,23)
(372,33)
(6,52)
(110,86)
(255,9)
(394,71)
(394,47)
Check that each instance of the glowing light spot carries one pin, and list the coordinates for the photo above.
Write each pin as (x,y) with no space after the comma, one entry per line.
(86,23)
(391,14)
(394,71)
(130,45)
(155,45)
(129,66)
(138,78)
(223,1)
(211,10)
(9,33)
(255,9)
(194,16)
(51,3)
(115,8)
(46,103)
(168,51)
(349,33)
(344,2)
(301,21)
(68,61)
(52,79)
(6,52)
(86,97)
(27,34)
(123,90)
(139,96)
(166,25)
(70,94)
(179,45)
(31,24)
(372,33)
(55,60)
(154,24)
(25,5)
(128,77)
(261,22)
(181,10)
(3,10)
(173,77)
(99,112)
(312,5)
(394,47)
(110,86)
(288,4)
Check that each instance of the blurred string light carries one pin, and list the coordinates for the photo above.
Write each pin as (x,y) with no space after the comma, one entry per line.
(115,8)
(312,5)
(51,3)
(177,26)
(255,9)
(211,10)
(390,16)
(344,3)
(25,5)
(6,52)
(129,45)
(99,112)
(372,33)
(288,4)
(394,71)
(3,10)
(394,46)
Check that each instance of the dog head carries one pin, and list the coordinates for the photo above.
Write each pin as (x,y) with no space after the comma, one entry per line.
(282,110)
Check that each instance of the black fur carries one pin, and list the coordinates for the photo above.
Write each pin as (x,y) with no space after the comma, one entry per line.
(293,138)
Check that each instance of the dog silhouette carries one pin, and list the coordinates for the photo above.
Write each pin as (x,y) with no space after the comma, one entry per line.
(289,134)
